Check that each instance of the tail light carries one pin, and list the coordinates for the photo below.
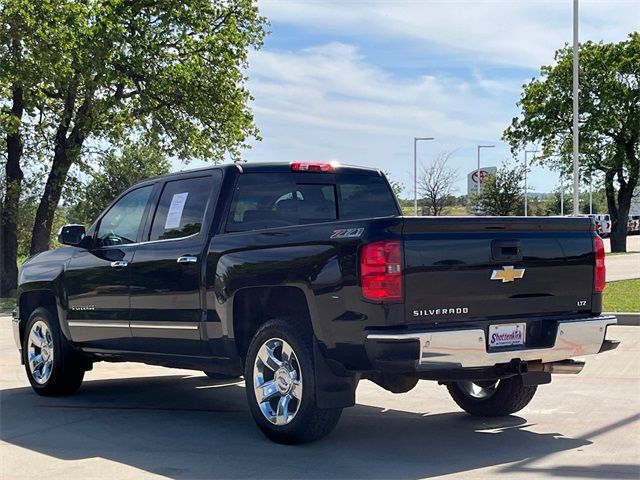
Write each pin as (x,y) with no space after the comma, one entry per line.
(600,271)
(381,270)
(314,167)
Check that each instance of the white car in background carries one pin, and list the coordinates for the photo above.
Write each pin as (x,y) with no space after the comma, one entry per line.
(597,221)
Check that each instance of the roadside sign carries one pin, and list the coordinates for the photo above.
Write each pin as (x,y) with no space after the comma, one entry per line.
(472,178)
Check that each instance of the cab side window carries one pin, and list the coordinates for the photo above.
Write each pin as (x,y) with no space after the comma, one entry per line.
(181,208)
(121,224)
(263,201)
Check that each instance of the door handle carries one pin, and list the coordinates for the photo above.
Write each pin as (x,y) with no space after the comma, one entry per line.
(187,259)
(119,264)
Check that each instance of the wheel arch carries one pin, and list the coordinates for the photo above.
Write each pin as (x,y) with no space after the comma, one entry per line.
(29,300)
(253,306)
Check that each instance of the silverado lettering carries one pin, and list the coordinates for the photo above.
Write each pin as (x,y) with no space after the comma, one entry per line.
(304,278)
(440,311)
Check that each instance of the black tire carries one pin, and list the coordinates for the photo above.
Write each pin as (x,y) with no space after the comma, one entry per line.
(66,369)
(221,376)
(309,422)
(505,398)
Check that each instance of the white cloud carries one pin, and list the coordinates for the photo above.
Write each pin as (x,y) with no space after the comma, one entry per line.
(328,102)
(331,101)
(518,33)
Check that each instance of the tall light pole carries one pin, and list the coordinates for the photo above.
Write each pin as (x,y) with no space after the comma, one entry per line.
(561,195)
(590,192)
(526,190)
(576,125)
(478,169)
(415,171)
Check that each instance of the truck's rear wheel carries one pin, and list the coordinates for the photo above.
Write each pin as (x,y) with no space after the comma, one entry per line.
(493,398)
(51,366)
(280,380)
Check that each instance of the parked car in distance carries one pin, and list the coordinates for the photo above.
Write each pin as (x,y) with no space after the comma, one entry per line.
(603,224)
(633,225)
(304,278)
(596,221)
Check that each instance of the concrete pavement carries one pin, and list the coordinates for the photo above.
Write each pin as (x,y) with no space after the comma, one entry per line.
(623,267)
(139,422)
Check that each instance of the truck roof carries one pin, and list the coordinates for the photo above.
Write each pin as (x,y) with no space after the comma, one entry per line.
(274,167)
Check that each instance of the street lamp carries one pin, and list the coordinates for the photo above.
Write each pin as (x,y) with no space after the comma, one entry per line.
(590,192)
(576,118)
(415,171)
(478,170)
(561,195)
(526,190)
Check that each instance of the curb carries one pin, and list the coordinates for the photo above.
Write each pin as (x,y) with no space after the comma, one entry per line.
(627,318)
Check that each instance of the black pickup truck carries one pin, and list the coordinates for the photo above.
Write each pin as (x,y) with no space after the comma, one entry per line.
(304,278)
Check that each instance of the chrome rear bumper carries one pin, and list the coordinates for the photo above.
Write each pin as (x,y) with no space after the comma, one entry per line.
(467,348)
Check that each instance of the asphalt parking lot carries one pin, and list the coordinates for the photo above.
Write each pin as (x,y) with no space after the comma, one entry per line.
(139,422)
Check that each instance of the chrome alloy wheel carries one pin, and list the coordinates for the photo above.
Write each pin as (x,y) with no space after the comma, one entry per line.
(479,389)
(40,352)
(277,381)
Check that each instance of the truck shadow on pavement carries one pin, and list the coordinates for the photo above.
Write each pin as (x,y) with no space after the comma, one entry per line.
(193,427)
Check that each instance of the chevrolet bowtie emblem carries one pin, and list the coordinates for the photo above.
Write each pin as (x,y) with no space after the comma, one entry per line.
(507,274)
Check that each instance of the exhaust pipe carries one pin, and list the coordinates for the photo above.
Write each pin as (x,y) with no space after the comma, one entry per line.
(563,366)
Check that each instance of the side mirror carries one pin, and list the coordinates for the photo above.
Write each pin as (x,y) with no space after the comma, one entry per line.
(71,234)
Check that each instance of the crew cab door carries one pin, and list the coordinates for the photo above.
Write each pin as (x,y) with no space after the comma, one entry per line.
(166,272)
(97,279)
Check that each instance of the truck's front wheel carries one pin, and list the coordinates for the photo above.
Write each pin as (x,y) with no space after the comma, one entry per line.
(52,367)
(280,378)
(493,398)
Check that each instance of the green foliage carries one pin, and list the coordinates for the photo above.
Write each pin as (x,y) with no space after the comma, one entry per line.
(102,68)
(120,170)
(501,193)
(75,74)
(609,119)
(7,305)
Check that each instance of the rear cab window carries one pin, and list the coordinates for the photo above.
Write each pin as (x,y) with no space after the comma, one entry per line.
(181,208)
(269,200)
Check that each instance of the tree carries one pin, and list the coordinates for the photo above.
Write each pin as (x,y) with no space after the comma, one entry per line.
(436,183)
(98,71)
(609,120)
(119,171)
(501,193)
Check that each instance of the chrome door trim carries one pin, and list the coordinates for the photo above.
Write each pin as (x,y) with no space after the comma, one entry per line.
(165,326)
(99,323)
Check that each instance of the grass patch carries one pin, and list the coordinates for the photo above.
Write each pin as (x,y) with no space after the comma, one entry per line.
(7,305)
(622,296)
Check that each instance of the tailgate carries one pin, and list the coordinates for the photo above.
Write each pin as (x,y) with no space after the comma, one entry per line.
(482,268)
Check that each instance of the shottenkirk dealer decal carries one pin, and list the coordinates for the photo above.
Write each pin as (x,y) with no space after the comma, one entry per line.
(347,233)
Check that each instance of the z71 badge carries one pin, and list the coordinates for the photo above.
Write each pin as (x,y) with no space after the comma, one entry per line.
(348,233)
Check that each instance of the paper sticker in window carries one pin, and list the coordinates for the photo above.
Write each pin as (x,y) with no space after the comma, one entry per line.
(175,210)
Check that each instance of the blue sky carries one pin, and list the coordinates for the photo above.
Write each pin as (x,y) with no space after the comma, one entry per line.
(355,81)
